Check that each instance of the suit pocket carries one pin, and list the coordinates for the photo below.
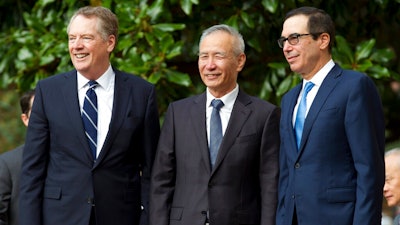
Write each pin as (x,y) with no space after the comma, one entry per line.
(52,193)
(176,213)
(343,194)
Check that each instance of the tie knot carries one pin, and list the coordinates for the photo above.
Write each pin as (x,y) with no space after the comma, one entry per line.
(217,103)
(92,84)
(309,85)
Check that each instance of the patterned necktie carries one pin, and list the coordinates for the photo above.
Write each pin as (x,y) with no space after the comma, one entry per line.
(301,113)
(215,130)
(89,116)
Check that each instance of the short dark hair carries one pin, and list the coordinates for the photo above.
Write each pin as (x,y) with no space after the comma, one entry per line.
(318,22)
(25,101)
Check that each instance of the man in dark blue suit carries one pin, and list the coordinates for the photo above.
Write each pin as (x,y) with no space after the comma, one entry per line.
(64,180)
(10,170)
(331,154)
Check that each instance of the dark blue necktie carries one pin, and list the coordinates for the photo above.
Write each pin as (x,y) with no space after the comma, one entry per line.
(301,113)
(89,116)
(215,130)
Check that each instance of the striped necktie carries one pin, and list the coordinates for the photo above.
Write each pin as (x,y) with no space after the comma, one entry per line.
(89,116)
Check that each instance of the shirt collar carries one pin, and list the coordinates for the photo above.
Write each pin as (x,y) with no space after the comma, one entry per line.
(319,77)
(228,99)
(104,80)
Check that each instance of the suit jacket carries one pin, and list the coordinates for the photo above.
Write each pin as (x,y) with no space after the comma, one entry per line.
(10,171)
(337,175)
(241,188)
(60,180)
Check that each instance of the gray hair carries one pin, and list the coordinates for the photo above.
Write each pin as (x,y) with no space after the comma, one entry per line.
(239,46)
(108,21)
(394,151)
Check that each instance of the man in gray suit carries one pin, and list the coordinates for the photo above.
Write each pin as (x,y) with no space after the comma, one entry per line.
(237,186)
(10,170)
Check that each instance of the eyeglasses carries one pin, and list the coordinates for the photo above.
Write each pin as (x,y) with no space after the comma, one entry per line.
(293,39)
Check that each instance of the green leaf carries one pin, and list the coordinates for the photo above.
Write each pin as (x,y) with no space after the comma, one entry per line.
(383,55)
(176,77)
(284,86)
(343,53)
(168,27)
(246,19)
(364,49)
(186,6)
(270,5)
(378,72)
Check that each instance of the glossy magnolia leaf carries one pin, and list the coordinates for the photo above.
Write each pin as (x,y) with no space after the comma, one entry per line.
(378,72)
(169,27)
(155,9)
(154,78)
(247,19)
(364,49)
(270,5)
(186,6)
(285,85)
(343,51)
(176,77)
(363,66)
(383,55)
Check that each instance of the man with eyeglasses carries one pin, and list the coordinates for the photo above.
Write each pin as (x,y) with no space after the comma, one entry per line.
(332,132)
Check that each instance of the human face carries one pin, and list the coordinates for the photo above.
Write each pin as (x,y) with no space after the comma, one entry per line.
(391,190)
(89,52)
(306,57)
(218,65)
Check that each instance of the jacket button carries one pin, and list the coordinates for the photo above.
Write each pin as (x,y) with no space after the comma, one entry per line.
(297,165)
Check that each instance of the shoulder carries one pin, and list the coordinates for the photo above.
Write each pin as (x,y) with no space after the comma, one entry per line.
(132,79)
(12,155)
(254,102)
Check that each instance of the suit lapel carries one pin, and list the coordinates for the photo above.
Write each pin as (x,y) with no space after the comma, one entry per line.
(122,96)
(240,114)
(324,91)
(70,95)
(289,116)
(198,118)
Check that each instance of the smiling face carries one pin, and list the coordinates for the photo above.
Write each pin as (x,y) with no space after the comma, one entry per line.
(89,52)
(218,65)
(391,190)
(308,56)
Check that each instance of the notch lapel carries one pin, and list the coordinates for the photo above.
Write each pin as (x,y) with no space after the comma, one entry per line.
(71,99)
(198,118)
(122,96)
(324,91)
(240,114)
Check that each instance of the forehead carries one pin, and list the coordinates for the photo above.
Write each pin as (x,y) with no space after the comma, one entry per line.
(82,24)
(216,41)
(295,24)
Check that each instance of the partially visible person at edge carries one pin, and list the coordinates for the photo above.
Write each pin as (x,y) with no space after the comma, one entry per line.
(79,170)
(10,170)
(332,167)
(391,190)
(234,182)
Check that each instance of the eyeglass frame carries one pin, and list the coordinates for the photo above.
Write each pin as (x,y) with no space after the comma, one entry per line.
(293,39)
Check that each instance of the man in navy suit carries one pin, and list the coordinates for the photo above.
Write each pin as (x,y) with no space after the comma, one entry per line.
(239,185)
(331,171)
(63,182)
(10,170)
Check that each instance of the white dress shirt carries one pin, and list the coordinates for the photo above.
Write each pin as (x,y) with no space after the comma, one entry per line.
(105,99)
(225,112)
(317,79)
